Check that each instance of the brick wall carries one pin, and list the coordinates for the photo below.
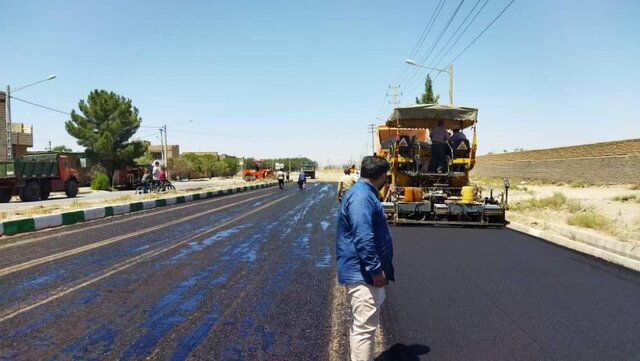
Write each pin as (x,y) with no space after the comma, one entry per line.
(3,126)
(610,162)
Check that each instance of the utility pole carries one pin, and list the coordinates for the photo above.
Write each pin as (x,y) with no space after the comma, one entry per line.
(372,129)
(451,84)
(8,135)
(394,94)
(162,144)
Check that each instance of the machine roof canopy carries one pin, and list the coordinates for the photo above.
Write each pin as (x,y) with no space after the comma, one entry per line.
(427,116)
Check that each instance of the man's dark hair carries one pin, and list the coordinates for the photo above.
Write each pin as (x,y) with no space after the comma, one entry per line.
(440,122)
(373,167)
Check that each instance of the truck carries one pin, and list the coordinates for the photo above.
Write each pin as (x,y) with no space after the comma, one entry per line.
(309,170)
(35,176)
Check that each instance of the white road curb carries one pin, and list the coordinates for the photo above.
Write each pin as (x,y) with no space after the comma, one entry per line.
(149,204)
(94,213)
(53,220)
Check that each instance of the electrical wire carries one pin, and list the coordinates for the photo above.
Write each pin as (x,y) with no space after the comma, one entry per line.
(415,75)
(41,106)
(423,37)
(446,45)
(398,78)
(462,33)
(483,31)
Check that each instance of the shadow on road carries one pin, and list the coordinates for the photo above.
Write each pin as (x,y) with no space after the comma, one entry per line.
(400,352)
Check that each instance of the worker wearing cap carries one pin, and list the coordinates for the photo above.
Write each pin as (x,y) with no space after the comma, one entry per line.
(347,180)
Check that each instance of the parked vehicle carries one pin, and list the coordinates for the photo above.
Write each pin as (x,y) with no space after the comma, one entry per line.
(129,177)
(309,170)
(35,176)
(257,171)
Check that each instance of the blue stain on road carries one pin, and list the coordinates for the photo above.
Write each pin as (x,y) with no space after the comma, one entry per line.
(195,337)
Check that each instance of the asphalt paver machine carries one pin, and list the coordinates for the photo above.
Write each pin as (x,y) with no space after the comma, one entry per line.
(417,193)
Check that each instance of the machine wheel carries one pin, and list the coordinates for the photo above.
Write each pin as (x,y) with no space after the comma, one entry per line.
(45,191)
(30,192)
(71,189)
(5,195)
(249,178)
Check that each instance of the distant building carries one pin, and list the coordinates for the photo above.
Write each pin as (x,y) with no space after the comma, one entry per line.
(173,151)
(226,156)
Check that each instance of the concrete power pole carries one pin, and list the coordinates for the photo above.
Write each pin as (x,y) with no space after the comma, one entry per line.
(372,130)
(8,135)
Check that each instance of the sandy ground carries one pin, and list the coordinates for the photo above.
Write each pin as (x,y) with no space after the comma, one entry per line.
(625,215)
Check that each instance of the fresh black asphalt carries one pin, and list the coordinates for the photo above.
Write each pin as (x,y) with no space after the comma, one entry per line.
(496,294)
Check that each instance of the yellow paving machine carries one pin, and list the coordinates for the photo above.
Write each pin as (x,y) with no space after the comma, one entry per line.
(418,192)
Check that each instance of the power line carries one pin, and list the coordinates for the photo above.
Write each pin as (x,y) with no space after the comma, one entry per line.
(483,31)
(41,106)
(435,43)
(423,36)
(457,30)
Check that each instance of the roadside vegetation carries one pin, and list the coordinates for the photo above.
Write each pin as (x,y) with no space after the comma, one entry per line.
(627,198)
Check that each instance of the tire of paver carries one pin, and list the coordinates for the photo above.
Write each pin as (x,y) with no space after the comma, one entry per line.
(71,190)
(30,192)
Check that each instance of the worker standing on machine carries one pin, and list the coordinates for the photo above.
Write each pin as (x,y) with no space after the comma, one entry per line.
(439,137)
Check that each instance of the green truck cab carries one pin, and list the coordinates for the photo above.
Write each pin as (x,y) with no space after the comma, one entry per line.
(35,176)
(309,170)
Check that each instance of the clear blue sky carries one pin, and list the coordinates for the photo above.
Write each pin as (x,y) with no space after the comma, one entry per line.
(287,78)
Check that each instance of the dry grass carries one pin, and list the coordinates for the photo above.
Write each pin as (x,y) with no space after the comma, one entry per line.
(579,183)
(635,187)
(558,201)
(627,198)
(589,218)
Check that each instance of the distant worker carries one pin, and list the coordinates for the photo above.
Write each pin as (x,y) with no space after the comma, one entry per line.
(439,137)
(288,175)
(302,179)
(163,174)
(345,183)
(280,175)
(364,255)
(145,177)
(155,173)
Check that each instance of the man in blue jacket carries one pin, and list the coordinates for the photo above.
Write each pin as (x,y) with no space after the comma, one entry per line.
(364,251)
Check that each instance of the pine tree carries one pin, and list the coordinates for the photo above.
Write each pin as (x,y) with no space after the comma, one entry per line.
(428,97)
(104,128)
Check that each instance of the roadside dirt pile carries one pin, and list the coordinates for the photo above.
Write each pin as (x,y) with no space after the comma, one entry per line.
(615,162)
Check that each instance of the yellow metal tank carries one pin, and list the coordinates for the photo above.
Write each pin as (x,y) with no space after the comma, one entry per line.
(467,194)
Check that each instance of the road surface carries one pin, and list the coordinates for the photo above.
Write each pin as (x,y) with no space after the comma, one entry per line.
(251,277)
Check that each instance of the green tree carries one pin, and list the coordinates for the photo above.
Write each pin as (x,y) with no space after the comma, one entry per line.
(180,167)
(61,149)
(428,97)
(146,158)
(104,128)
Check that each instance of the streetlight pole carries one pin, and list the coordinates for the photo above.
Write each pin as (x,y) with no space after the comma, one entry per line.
(449,71)
(8,106)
